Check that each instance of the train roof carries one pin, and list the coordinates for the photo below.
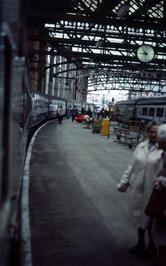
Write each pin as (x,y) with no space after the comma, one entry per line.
(152,100)
(127,102)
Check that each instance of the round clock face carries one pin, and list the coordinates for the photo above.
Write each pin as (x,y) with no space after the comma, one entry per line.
(145,53)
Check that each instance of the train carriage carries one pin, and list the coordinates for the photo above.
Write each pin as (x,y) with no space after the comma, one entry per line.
(14,120)
(152,108)
(39,112)
(125,110)
(89,107)
(74,104)
(146,108)
(78,106)
(21,111)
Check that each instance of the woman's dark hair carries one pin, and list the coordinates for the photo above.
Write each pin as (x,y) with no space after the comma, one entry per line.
(151,124)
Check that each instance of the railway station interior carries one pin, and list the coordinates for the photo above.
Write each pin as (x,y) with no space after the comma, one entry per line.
(64,151)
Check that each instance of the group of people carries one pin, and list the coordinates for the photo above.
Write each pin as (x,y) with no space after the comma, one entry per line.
(147,171)
(71,113)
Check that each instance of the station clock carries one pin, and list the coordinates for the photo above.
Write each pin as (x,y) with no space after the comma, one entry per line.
(145,53)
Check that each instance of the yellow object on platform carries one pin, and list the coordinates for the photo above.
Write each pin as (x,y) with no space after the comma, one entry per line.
(105,128)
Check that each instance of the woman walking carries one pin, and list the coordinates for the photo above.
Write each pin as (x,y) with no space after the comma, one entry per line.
(139,177)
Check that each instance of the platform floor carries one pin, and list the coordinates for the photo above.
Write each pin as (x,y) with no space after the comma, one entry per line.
(77,216)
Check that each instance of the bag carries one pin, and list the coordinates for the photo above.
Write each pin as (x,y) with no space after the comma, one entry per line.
(156,207)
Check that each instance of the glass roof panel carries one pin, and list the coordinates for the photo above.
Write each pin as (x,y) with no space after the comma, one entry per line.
(157,11)
(91,4)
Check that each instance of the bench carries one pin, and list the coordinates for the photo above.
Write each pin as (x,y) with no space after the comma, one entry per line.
(125,136)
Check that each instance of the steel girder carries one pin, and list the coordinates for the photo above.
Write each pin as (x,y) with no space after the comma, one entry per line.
(105,41)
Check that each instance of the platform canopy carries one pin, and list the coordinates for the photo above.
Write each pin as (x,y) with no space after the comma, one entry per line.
(103,37)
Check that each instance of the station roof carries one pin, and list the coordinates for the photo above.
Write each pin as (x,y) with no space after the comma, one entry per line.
(103,37)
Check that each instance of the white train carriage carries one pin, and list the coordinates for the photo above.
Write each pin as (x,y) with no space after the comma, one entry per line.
(70,105)
(78,106)
(125,110)
(152,108)
(39,112)
(74,104)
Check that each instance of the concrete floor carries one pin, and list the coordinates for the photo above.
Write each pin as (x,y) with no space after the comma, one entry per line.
(77,216)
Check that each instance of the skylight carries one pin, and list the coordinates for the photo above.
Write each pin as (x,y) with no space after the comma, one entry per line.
(91,4)
(157,11)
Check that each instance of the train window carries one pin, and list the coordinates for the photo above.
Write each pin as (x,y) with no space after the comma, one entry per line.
(139,111)
(144,111)
(151,111)
(160,112)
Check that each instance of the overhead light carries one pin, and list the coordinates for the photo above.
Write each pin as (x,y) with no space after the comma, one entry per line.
(123,11)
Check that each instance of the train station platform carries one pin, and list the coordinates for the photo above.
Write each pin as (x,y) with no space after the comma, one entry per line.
(76,215)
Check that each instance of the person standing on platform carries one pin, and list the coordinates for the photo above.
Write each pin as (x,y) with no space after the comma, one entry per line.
(60,113)
(139,177)
(74,112)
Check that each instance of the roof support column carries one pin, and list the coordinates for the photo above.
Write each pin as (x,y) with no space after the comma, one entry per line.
(50,86)
(40,69)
